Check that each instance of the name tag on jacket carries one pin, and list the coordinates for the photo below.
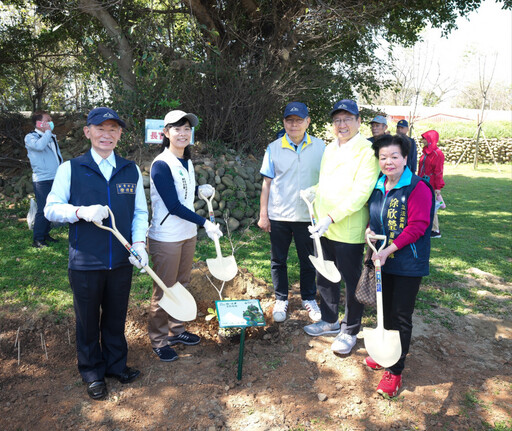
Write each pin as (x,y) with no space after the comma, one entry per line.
(126,188)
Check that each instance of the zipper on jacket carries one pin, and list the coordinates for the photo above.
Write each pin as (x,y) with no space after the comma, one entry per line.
(381,210)
(110,233)
(414,251)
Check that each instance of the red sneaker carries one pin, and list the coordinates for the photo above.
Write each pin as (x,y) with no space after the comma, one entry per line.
(389,384)
(372,364)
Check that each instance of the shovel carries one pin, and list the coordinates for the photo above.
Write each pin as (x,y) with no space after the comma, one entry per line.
(324,267)
(383,345)
(222,268)
(176,301)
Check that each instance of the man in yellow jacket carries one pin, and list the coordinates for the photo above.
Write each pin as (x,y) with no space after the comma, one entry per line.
(348,174)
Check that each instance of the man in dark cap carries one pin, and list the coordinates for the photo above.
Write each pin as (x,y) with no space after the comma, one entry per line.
(99,271)
(291,164)
(402,127)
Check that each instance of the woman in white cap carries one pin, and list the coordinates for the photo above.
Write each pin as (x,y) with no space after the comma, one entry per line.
(173,231)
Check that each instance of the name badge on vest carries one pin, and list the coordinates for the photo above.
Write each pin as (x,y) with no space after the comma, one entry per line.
(126,188)
(184,183)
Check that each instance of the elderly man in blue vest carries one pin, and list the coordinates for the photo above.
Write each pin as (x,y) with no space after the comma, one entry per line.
(291,164)
(100,273)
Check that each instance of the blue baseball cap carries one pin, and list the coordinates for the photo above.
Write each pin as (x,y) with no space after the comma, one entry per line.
(380,119)
(99,115)
(402,123)
(296,108)
(345,105)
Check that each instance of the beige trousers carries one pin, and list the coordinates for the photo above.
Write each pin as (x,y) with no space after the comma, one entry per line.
(172,262)
(435,223)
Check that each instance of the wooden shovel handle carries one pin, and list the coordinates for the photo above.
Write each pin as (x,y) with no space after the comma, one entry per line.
(129,247)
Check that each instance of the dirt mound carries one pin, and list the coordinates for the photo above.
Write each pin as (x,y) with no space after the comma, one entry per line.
(458,376)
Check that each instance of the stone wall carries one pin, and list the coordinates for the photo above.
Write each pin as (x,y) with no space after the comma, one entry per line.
(237,184)
(453,149)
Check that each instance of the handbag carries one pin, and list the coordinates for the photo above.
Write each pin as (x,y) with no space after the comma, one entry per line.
(365,289)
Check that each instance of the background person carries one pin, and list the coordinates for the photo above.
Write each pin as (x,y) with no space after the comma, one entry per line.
(348,174)
(402,127)
(291,164)
(99,272)
(379,126)
(173,231)
(45,157)
(402,208)
(431,168)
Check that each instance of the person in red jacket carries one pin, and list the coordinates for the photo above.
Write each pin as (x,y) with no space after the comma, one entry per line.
(430,168)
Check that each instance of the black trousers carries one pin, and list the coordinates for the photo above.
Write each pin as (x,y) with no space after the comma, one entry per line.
(281,234)
(42,225)
(398,300)
(348,258)
(100,299)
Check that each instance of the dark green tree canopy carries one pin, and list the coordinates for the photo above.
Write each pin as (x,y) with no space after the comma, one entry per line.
(233,62)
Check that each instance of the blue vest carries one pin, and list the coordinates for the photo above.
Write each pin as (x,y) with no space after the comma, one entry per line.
(92,248)
(388,216)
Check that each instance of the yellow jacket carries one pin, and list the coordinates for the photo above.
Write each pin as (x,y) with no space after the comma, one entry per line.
(348,174)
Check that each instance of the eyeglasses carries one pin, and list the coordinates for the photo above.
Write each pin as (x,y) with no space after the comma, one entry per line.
(297,121)
(340,121)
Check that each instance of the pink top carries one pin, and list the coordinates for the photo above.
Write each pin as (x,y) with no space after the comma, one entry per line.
(418,215)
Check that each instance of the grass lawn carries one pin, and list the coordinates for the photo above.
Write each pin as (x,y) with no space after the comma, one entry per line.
(475,230)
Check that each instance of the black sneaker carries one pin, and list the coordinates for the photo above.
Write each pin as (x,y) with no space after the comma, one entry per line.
(434,234)
(166,354)
(184,338)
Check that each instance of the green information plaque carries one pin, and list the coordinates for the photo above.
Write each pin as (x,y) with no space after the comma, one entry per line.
(240,313)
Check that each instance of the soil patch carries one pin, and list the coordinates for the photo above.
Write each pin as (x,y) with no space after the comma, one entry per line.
(457,376)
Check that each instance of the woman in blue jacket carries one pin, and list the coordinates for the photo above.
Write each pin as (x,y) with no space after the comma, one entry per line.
(402,208)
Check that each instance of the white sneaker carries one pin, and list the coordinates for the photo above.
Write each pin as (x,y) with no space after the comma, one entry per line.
(322,328)
(343,343)
(314,311)
(279,312)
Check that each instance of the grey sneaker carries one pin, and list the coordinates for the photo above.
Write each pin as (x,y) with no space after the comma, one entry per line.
(314,311)
(279,312)
(343,343)
(322,328)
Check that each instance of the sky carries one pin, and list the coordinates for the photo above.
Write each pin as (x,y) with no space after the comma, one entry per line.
(487,31)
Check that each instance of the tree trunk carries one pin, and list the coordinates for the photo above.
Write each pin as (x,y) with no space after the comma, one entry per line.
(124,56)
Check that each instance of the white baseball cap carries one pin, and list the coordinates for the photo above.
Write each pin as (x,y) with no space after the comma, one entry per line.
(176,115)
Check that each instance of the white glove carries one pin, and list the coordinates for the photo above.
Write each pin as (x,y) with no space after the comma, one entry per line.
(321,227)
(206,190)
(140,249)
(212,230)
(309,193)
(94,213)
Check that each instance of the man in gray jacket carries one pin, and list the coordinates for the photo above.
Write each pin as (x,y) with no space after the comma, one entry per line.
(45,157)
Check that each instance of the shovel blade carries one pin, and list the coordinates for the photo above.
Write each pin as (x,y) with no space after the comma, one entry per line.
(223,268)
(383,345)
(326,268)
(179,303)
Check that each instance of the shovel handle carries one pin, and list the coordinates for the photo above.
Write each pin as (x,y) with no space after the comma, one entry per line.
(212,218)
(309,205)
(209,204)
(129,247)
(378,238)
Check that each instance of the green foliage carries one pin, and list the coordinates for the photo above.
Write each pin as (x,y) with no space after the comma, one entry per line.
(235,64)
